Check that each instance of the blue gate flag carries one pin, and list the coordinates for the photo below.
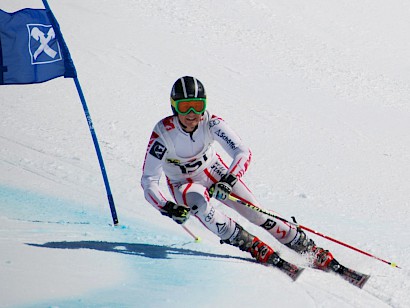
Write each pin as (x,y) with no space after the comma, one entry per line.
(32,49)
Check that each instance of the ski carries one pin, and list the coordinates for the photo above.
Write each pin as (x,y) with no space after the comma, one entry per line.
(356,278)
(292,270)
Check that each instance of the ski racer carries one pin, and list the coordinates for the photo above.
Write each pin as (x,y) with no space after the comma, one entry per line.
(181,147)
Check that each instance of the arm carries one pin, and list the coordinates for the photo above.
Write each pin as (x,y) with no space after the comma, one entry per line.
(152,171)
(232,144)
(241,157)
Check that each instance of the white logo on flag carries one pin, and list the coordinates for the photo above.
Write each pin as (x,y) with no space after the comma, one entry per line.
(43,45)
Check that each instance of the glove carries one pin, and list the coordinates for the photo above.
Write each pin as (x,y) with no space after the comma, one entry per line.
(223,188)
(178,212)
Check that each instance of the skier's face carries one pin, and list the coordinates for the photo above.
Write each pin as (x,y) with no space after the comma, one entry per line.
(190,121)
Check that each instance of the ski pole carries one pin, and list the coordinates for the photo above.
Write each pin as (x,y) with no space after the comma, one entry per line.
(257,209)
(196,238)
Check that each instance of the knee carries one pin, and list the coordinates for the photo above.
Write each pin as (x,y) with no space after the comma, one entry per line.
(197,202)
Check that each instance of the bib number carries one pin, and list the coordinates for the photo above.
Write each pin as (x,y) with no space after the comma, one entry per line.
(191,167)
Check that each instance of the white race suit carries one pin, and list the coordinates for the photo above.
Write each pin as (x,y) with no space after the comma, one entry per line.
(191,165)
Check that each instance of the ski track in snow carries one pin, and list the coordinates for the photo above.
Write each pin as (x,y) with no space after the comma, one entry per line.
(318,90)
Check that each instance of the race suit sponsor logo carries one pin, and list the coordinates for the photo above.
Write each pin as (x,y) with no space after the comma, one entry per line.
(218,169)
(212,123)
(224,137)
(268,224)
(221,227)
(173,161)
(158,150)
(279,231)
(210,215)
(168,123)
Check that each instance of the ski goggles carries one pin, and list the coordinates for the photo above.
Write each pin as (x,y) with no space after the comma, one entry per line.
(185,106)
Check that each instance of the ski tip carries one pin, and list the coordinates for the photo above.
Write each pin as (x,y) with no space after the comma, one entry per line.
(363,281)
(292,270)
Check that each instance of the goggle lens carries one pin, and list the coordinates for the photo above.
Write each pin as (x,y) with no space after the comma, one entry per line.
(185,106)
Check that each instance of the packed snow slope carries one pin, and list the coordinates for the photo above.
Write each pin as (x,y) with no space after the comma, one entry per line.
(318,89)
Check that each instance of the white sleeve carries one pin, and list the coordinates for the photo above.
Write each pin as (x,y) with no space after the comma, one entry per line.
(232,144)
(152,171)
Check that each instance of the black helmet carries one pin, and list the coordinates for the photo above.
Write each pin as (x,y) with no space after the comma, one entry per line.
(187,87)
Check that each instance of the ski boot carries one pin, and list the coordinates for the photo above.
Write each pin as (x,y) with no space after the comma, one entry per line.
(250,243)
(319,257)
(262,252)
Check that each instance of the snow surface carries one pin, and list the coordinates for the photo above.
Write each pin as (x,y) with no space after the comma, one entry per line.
(319,90)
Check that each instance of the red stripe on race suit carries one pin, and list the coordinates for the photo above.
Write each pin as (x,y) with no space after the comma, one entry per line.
(154,136)
(185,192)
(221,161)
(233,169)
(245,166)
(171,188)
(206,194)
(209,175)
(155,201)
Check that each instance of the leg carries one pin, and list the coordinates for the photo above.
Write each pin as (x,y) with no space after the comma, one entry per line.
(289,235)
(283,232)
(320,258)
(197,198)
(280,230)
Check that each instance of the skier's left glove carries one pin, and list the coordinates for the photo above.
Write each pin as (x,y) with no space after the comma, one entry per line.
(223,188)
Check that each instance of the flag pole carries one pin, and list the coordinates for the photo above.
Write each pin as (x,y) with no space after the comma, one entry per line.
(73,74)
(98,151)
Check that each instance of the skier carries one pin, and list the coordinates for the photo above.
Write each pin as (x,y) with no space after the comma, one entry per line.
(181,147)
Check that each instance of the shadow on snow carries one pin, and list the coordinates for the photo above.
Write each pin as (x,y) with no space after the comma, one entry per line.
(143,250)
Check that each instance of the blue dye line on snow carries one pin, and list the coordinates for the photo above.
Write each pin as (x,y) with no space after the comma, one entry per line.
(31,206)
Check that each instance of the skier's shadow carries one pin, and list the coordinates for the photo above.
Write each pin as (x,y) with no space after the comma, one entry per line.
(143,250)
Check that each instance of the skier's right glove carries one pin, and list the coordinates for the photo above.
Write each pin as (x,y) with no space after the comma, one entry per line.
(178,212)
(223,188)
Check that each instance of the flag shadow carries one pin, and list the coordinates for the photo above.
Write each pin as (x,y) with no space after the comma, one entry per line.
(142,250)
